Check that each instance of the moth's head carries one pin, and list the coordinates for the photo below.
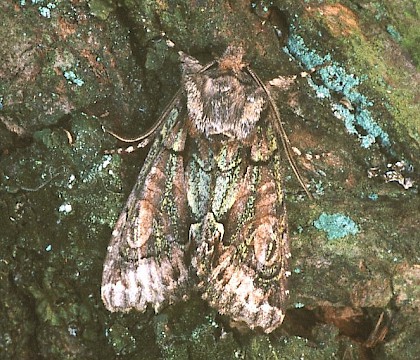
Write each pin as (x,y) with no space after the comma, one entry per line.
(232,59)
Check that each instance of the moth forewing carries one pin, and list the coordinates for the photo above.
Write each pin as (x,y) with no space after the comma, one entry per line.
(144,263)
(207,213)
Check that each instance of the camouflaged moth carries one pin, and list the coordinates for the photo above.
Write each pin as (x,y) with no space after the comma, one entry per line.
(207,213)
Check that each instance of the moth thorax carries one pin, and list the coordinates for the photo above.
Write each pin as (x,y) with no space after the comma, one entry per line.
(224,106)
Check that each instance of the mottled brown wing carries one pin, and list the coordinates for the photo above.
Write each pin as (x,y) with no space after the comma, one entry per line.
(145,259)
(242,243)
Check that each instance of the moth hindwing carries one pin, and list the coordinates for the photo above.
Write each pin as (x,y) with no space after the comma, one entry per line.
(207,213)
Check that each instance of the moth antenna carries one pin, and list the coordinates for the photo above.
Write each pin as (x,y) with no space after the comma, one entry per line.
(143,138)
(280,129)
(208,66)
(123,139)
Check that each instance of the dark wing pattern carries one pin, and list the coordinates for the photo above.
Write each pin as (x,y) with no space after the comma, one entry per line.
(242,243)
(145,259)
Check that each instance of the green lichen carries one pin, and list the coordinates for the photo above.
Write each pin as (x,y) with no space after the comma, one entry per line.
(404,27)
(121,339)
(102,8)
(293,347)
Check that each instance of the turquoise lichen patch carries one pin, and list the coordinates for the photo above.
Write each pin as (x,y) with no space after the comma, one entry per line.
(391,30)
(336,226)
(336,80)
(44,8)
(72,78)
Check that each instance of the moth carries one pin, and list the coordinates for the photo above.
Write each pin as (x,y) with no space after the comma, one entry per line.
(207,213)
